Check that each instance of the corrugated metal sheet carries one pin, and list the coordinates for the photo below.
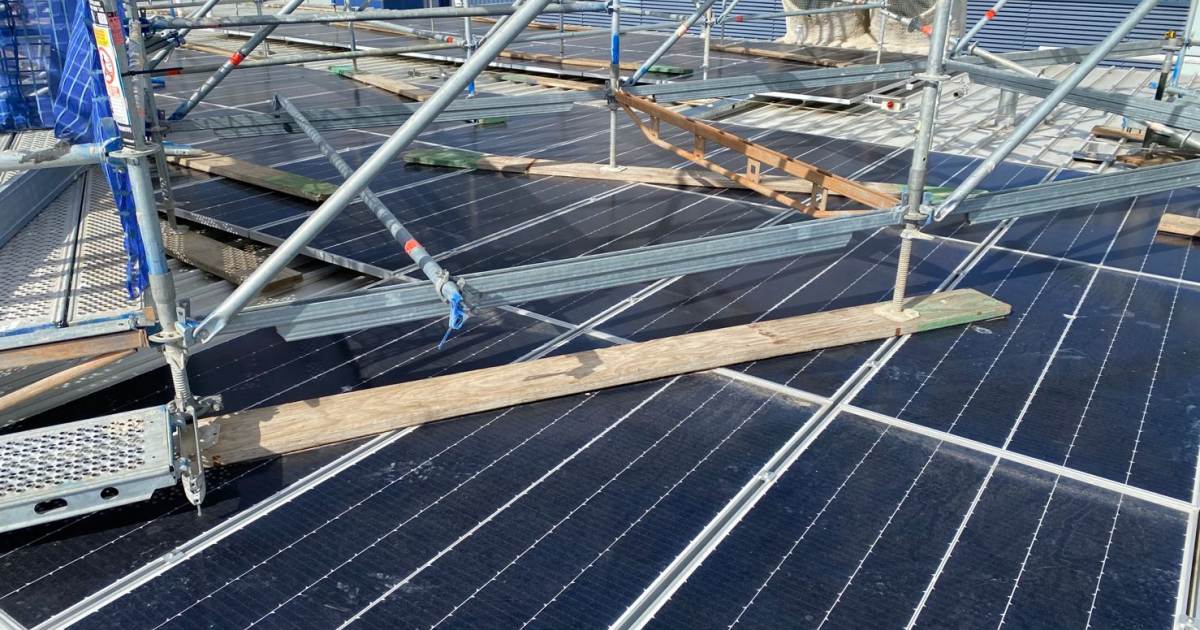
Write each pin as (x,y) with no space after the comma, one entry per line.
(1030,24)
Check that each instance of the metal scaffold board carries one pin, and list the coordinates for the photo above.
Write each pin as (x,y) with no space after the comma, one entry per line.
(37,264)
(83,466)
(98,285)
(26,141)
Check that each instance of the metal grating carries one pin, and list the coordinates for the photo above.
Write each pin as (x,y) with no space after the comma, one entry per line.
(83,466)
(37,262)
(28,141)
(98,287)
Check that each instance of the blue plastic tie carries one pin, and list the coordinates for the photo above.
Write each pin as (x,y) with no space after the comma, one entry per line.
(458,317)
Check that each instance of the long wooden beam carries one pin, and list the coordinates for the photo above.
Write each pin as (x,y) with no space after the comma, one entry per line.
(586,62)
(59,379)
(801,55)
(400,88)
(257,175)
(459,158)
(72,349)
(302,425)
(530,79)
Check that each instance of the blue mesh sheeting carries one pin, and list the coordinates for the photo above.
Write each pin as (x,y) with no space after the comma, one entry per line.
(83,115)
(33,41)
(50,78)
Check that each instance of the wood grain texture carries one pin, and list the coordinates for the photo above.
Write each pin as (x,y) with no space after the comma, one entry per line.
(72,349)
(60,379)
(1117,133)
(302,425)
(1179,225)
(457,158)
(587,62)
(395,86)
(222,260)
(543,26)
(565,84)
(257,175)
(799,55)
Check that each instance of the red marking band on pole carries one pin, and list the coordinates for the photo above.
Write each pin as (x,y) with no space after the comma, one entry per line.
(118,32)
(989,14)
(410,245)
(173,71)
(738,18)
(927,29)
(236,58)
(449,40)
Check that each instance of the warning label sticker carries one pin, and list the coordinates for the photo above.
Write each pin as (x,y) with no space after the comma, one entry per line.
(108,65)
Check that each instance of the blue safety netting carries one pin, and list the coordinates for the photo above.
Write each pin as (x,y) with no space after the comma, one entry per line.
(50,79)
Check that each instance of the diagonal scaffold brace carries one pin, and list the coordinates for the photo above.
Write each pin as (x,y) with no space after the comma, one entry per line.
(354,185)
(447,288)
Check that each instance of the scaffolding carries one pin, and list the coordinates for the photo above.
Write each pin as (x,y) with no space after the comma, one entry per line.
(168,442)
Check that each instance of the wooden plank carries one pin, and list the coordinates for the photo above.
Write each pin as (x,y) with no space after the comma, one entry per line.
(388,84)
(1179,225)
(222,260)
(543,26)
(257,175)
(1116,133)
(59,379)
(72,349)
(588,62)
(565,84)
(457,158)
(302,425)
(798,55)
(1156,158)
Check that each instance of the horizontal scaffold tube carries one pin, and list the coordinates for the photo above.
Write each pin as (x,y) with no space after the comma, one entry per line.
(165,22)
(366,51)
(378,307)
(1179,114)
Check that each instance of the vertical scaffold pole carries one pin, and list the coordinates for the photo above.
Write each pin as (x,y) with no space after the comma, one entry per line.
(1035,116)
(614,77)
(127,104)
(707,33)
(666,45)
(469,45)
(882,35)
(220,316)
(258,10)
(353,34)
(918,171)
(161,55)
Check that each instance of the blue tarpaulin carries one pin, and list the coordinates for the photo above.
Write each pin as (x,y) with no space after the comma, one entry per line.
(50,79)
